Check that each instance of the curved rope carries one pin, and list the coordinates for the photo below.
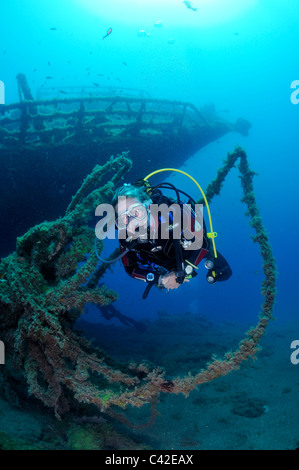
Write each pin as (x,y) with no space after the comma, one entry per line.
(248,347)
(35,311)
(155,381)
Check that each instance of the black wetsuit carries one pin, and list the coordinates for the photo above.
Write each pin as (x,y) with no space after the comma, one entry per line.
(158,257)
(149,259)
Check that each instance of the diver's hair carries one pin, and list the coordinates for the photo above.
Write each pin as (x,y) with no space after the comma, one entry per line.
(129,190)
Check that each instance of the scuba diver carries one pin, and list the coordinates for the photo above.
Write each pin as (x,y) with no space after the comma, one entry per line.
(162,261)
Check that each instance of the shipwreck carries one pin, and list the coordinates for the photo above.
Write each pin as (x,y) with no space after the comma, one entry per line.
(49,144)
(53,270)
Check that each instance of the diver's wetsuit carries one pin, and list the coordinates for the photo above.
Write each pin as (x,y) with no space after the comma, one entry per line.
(152,258)
(158,257)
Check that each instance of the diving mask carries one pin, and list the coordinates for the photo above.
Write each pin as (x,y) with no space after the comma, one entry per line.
(136,212)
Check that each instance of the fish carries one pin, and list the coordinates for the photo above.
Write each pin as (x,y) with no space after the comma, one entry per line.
(63,92)
(96,84)
(49,64)
(48,78)
(100,75)
(125,63)
(188,5)
(108,33)
(53,29)
(142,33)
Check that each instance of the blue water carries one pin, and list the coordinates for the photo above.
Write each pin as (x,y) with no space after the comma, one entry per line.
(241,57)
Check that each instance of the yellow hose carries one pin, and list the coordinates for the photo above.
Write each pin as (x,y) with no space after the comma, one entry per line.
(211,235)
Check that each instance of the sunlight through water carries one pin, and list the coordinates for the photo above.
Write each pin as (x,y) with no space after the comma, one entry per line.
(171,12)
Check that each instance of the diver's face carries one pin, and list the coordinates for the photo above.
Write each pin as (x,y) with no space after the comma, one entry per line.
(131,215)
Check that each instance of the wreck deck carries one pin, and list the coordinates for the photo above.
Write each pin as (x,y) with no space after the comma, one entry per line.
(47,147)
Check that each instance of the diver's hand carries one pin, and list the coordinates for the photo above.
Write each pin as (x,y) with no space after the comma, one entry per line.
(169,281)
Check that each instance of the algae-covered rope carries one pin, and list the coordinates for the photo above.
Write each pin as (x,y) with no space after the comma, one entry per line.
(248,347)
(155,381)
(42,323)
